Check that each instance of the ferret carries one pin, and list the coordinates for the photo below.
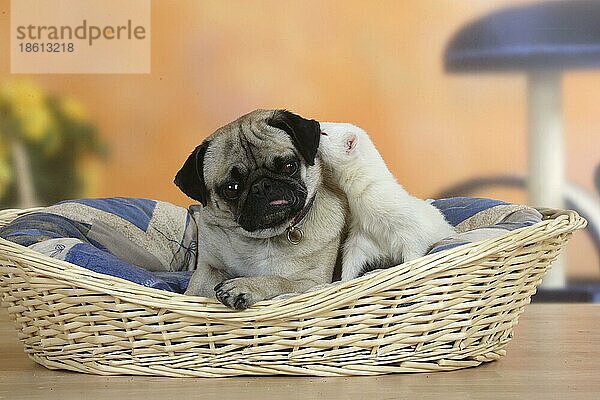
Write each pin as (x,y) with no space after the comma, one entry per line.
(387,225)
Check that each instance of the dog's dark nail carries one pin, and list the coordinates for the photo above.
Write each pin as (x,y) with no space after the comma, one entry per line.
(240,302)
(219,286)
(222,296)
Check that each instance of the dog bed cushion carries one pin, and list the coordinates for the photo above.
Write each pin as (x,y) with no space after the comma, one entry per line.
(155,243)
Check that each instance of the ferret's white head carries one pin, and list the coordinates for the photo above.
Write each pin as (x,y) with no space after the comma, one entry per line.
(339,142)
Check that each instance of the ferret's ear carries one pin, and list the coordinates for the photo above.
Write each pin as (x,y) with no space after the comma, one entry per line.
(350,142)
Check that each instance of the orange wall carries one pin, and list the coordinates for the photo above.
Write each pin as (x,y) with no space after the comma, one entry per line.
(376,64)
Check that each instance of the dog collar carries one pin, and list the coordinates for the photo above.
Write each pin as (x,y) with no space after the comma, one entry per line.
(294,232)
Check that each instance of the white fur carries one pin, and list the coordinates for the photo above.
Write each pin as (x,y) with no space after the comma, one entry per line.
(386,222)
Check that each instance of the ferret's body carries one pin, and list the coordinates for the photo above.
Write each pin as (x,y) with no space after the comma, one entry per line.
(387,226)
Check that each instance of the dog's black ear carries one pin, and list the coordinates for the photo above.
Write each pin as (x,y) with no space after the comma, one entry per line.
(305,133)
(190,178)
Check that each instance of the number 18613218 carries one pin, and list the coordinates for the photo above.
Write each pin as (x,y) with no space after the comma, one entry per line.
(47,47)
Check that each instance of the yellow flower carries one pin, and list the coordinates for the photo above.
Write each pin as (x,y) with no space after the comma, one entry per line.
(73,109)
(21,95)
(28,104)
(36,123)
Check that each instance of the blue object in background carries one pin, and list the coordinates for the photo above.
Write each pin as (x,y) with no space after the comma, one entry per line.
(547,35)
(542,40)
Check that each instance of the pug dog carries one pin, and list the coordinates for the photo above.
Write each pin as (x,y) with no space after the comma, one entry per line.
(271,221)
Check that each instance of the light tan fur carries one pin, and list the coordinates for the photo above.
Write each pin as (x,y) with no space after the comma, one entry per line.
(262,264)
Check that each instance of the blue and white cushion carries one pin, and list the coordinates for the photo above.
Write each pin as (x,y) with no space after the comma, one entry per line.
(155,244)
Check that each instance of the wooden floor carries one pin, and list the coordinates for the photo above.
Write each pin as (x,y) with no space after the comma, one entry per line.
(555,354)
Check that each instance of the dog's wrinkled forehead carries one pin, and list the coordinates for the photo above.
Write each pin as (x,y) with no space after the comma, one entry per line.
(248,143)
(252,139)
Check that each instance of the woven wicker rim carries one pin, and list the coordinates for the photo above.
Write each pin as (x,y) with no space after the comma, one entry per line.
(313,302)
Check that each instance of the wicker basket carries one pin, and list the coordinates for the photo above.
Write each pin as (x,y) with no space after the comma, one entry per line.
(445,311)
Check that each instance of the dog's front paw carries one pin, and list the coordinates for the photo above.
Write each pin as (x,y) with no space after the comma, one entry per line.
(236,293)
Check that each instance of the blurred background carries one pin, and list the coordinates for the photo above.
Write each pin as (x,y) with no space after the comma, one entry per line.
(376,64)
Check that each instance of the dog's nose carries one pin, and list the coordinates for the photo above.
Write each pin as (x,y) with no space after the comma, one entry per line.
(263,187)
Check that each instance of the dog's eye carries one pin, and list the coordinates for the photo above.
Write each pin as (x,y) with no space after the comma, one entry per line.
(231,190)
(289,168)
